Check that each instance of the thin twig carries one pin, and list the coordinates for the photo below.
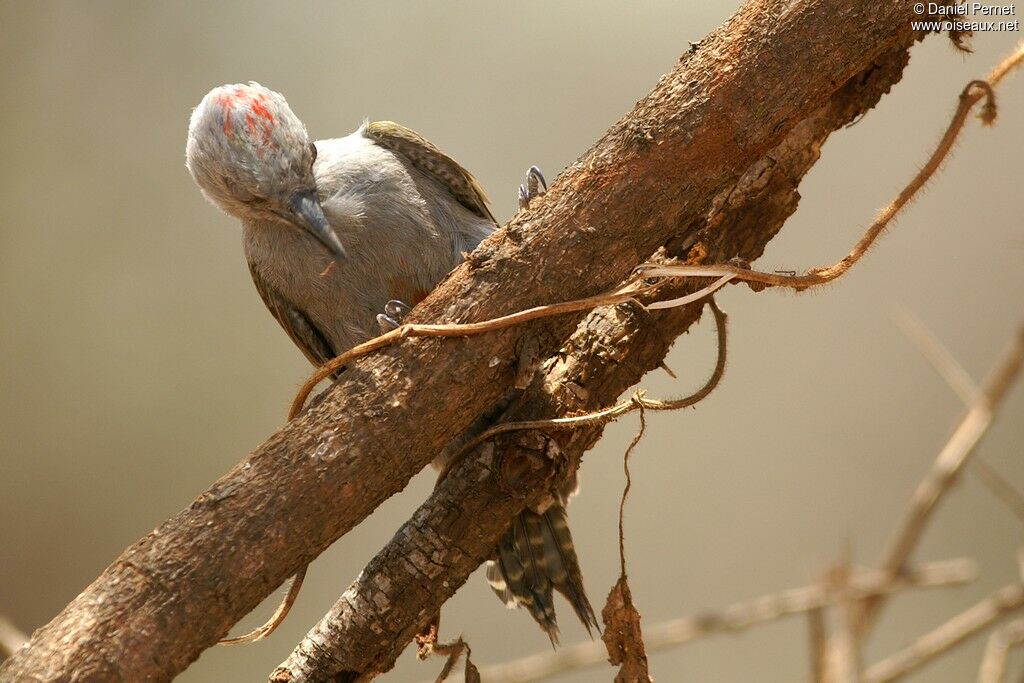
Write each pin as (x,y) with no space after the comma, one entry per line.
(948,464)
(269,626)
(993,662)
(625,489)
(961,382)
(999,487)
(11,638)
(734,618)
(843,653)
(968,623)
(817,638)
(937,354)
(637,401)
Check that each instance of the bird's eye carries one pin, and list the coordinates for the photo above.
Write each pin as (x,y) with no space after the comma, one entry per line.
(312,152)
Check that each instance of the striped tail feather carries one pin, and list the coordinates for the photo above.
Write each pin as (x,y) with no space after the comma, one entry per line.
(535,558)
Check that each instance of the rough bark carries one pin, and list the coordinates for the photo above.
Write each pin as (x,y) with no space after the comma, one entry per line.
(455,530)
(653,179)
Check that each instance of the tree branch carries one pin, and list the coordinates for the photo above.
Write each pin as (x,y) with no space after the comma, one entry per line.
(997,649)
(947,467)
(11,638)
(734,618)
(848,591)
(370,625)
(968,623)
(668,173)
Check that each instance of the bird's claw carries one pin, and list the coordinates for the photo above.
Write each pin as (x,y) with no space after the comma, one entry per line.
(397,309)
(535,186)
(391,318)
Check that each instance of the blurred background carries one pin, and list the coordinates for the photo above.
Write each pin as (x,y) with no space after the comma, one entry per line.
(137,363)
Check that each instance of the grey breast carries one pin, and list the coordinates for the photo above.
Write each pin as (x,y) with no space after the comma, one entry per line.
(403,232)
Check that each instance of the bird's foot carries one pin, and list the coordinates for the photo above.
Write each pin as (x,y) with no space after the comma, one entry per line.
(534,187)
(391,318)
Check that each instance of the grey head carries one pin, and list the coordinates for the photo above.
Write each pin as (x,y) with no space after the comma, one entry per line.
(251,156)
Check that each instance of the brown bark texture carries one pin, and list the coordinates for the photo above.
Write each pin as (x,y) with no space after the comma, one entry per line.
(456,529)
(697,161)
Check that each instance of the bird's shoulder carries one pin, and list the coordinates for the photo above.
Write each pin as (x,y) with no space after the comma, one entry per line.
(416,150)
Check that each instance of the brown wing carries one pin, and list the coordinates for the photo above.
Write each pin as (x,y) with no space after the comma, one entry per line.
(302,331)
(422,154)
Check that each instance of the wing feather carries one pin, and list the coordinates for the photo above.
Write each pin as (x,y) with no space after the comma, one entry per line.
(310,340)
(423,155)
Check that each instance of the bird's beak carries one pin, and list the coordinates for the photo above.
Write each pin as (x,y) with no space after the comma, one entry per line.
(309,215)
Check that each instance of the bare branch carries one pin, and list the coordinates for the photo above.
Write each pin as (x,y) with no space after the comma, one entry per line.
(734,618)
(973,93)
(481,493)
(581,378)
(993,662)
(843,653)
(937,354)
(999,487)
(950,461)
(668,174)
(955,631)
(960,381)
(817,636)
(11,638)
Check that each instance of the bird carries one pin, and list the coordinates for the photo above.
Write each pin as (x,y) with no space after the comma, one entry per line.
(342,237)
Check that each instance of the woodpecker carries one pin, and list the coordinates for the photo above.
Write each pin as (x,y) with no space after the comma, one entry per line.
(342,236)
